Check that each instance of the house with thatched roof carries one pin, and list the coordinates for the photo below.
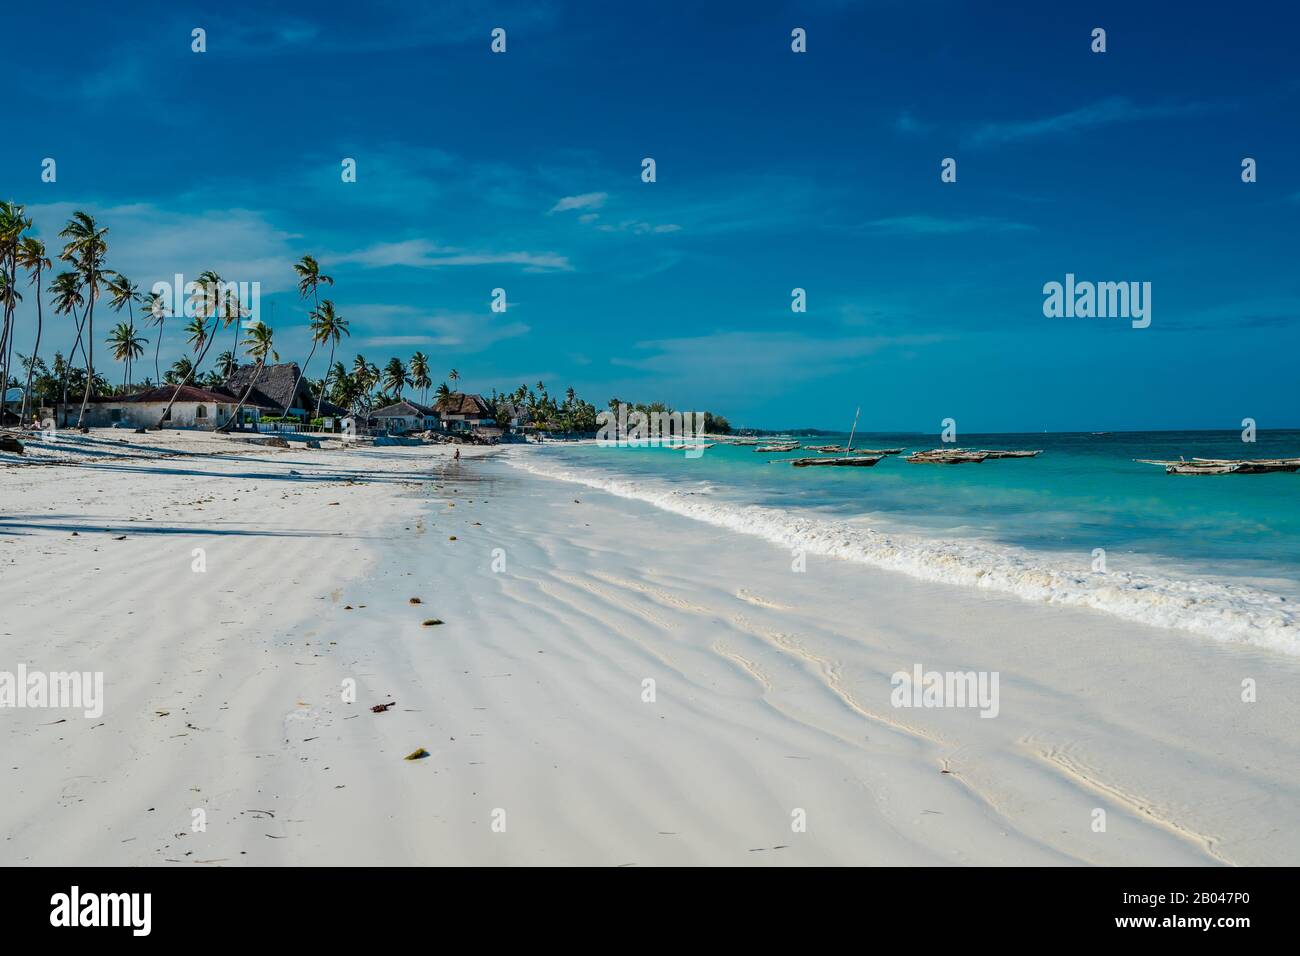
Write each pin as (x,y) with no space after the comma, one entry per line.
(463,412)
(405,416)
(194,408)
(276,388)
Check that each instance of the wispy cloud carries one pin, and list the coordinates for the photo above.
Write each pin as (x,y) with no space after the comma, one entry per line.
(585,201)
(424,254)
(464,332)
(1115,109)
(907,123)
(936,226)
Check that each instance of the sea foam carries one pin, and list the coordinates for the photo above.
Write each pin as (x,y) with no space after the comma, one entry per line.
(1224,611)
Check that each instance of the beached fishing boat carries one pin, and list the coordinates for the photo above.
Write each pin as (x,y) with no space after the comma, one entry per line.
(1010,454)
(941,456)
(771,448)
(848,461)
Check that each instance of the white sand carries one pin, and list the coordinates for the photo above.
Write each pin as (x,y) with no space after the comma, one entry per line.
(223,688)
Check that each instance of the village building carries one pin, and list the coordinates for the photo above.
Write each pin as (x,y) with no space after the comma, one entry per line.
(274,388)
(405,416)
(194,408)
(463,413)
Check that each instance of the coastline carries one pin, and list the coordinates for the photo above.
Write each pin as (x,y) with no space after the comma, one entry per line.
(772,687)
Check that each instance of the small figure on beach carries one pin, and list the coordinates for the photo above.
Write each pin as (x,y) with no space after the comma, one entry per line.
(456,457)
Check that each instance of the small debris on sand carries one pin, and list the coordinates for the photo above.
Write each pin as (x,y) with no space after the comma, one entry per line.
(452,538)
(380,708)
(417,754)
(432,622)
(416,601)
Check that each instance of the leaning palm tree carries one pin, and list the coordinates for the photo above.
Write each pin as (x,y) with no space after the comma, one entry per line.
(127,347)
(206,300)
(327,326)
(86,248)
(155,307)
(455,377)
(31,256)
(257,344)
(443,393)
(420,374)
(394,378)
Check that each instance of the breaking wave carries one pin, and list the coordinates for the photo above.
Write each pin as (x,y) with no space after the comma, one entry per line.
(1224,611)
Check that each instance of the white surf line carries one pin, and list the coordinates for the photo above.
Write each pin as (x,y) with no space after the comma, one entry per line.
(1222,611)
(1069,768)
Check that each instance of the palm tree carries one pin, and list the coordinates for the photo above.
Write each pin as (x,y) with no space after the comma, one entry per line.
(31,256)
(309,279)
(442,394)
(327,326)
(127,347)
(394,378)
(420,374)
(123,292)
(86,248)
(156,308)
(365,374)
(208,301)
(258,344)
(66,292)
(455,377)
(181,371)
(226,365)
(12,223)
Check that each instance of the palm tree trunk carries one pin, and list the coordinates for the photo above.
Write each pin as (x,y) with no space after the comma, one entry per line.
(89,348)
(7,340)
(301,372)
(193,370)
(157,349)
(36,350)
(234,416)
(326,381)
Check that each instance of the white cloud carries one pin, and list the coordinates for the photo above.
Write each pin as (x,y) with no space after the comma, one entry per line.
(584,201)
(423,254)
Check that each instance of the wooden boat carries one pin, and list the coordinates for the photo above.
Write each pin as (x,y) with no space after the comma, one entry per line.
(1225,466)
(1183,467)
(847,461)
(1254,466)
(1011,454)
(836,449)
(771,448)
(941,456)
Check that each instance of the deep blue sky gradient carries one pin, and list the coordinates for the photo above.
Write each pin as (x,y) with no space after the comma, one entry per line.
(775,170)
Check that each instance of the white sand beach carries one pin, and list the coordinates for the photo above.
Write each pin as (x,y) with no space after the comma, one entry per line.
(224,687)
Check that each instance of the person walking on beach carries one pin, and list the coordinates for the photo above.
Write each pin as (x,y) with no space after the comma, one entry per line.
(456,457)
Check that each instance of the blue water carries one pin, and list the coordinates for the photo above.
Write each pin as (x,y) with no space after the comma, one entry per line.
(1084,492)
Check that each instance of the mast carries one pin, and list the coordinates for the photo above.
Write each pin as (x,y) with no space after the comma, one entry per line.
(849,448)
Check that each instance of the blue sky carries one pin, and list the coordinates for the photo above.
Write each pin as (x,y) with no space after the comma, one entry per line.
(775,171)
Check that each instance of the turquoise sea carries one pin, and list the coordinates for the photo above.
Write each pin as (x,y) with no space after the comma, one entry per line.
(1217,554)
